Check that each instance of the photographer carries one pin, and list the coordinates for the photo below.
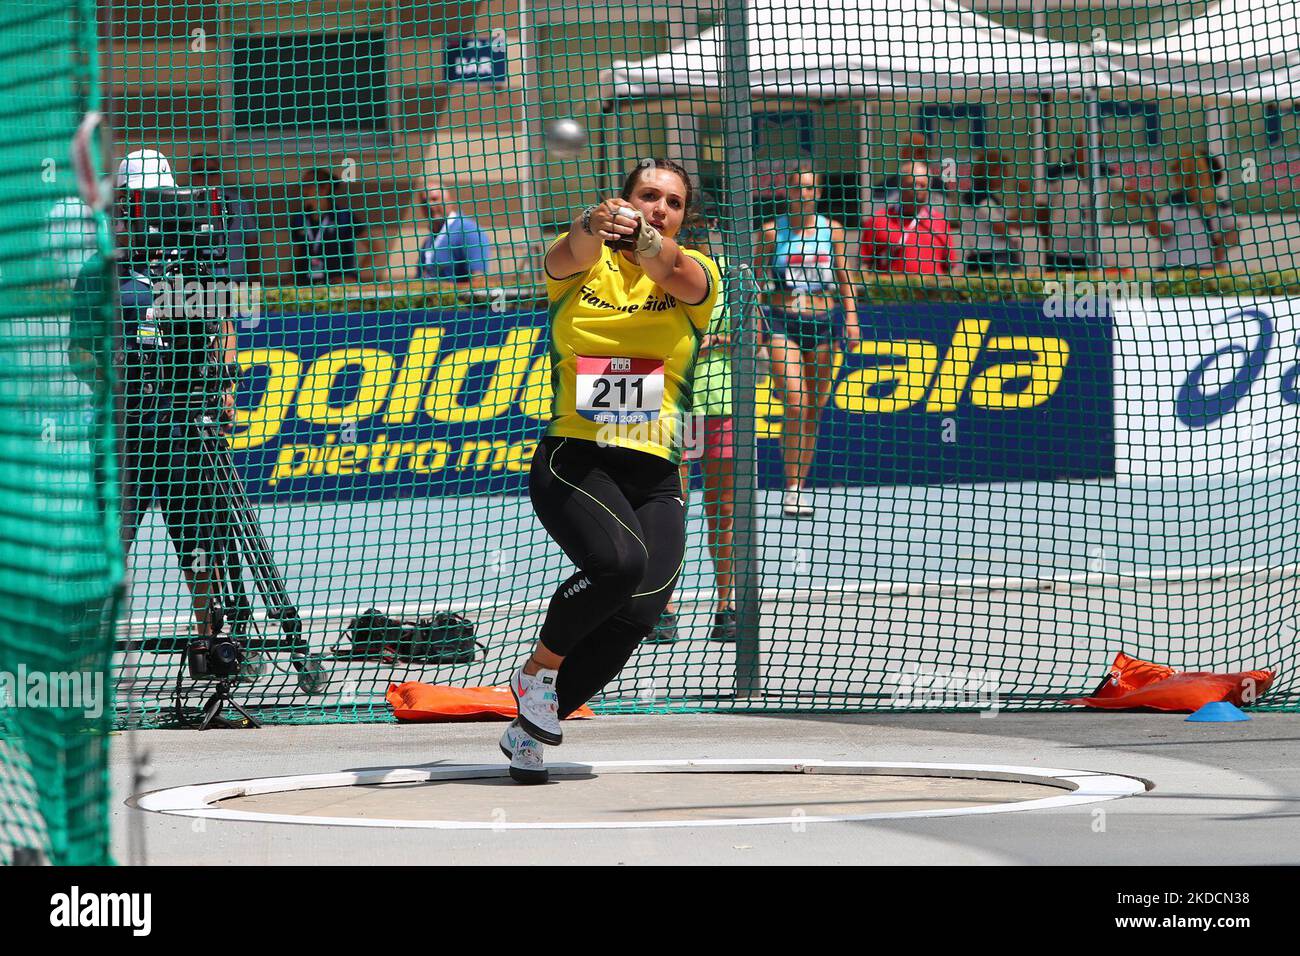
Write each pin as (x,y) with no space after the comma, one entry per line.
(174,371)
(324,233)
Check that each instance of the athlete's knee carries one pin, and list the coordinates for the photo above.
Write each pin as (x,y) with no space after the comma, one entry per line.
(642,610)
(619,572)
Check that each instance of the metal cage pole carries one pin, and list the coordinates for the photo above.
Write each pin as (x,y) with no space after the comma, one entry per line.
(1097,185)
(533,246)
(738,241)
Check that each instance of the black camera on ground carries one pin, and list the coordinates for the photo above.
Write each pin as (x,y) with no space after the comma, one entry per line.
(214,658)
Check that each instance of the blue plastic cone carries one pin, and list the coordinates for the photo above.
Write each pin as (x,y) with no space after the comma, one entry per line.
(1219,712)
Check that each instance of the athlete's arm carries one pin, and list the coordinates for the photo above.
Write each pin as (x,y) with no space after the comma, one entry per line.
(1156,225)
(848,295)
(84,365)
(764,249)
(676,273)
(580,248)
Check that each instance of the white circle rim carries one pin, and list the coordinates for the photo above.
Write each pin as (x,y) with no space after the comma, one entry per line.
(1081,786)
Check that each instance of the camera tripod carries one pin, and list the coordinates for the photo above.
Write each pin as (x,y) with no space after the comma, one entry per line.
(239,544)
(216,703)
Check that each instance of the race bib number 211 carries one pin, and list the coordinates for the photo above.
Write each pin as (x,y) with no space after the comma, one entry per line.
(620,390)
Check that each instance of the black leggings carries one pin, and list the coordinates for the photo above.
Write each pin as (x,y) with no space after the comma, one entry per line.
(619,516)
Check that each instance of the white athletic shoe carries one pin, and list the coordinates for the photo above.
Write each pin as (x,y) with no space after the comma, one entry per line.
(525,753)
(538,705)
(796,505)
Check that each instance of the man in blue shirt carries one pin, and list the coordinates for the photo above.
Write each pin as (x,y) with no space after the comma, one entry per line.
(458,249)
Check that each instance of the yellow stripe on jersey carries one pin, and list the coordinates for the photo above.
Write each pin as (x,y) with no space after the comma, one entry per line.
(623,354)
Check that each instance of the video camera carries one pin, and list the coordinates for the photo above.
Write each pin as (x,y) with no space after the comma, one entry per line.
(173,225)
(173,359)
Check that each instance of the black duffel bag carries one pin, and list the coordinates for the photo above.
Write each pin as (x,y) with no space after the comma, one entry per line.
(444,638)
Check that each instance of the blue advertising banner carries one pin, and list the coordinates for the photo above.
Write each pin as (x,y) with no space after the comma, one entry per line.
(965,392)
(417,403)
(391,404)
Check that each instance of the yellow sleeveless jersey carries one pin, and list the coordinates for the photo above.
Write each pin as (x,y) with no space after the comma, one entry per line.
(623,355)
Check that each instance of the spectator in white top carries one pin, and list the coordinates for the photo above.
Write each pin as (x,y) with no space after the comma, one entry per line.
(989,240)
(1194,228)
(1068,221)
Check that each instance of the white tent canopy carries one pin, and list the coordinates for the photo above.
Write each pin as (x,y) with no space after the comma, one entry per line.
(1239,51)
(853,48)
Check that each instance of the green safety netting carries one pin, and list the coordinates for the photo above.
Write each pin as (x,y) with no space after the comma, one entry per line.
(59,559)
(1008,345)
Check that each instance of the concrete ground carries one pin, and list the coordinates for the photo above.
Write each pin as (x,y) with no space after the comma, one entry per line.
(1221,793)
